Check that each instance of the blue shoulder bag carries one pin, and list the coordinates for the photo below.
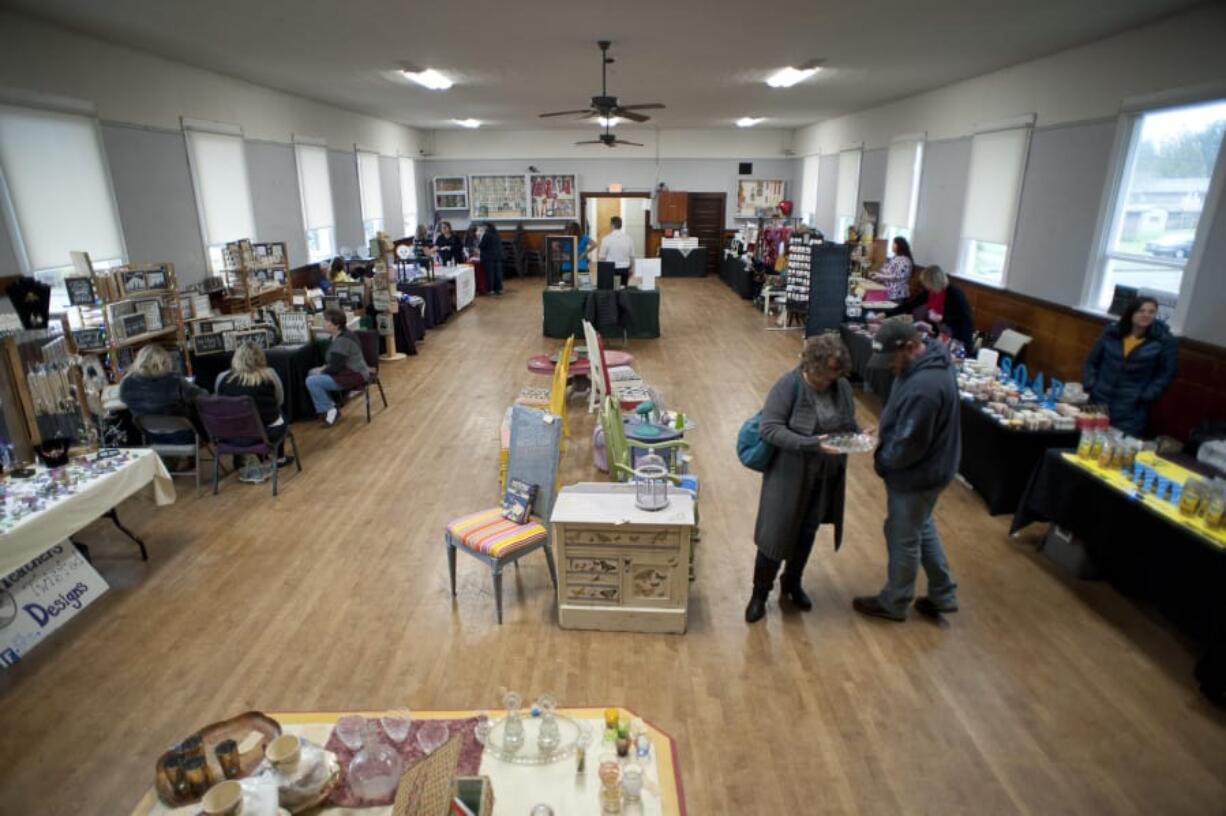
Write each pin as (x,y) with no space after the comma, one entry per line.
(755,452)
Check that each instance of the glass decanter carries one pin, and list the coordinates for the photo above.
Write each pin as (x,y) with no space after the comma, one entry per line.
(375,770)
(548,737)
(513,732)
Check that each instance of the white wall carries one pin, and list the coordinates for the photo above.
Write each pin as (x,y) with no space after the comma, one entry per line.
(741,143)
(1080,84)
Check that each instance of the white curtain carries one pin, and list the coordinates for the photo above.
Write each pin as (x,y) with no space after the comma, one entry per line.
(315,186)
(55,170)
(902,174)
(845,203)
(370,185)
(808,187)
(408,193)
(998,160)
(219,169)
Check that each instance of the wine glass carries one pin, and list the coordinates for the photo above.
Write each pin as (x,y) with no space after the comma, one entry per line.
(431,735)
(350,729)
(396,724)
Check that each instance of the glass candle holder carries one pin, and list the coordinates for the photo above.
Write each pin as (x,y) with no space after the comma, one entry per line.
(632,782)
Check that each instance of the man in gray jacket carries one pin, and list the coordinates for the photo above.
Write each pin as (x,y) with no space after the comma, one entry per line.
(918,449)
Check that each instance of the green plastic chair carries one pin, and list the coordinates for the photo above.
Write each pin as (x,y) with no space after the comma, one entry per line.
(618,445)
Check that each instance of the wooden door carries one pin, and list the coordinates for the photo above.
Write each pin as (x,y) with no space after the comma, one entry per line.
(705,216)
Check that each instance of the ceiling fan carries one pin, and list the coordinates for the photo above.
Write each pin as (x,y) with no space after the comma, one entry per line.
(607,107)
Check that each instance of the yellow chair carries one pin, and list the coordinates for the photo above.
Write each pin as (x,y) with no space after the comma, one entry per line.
(552,400)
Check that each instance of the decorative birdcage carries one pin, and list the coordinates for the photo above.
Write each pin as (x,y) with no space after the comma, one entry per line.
(651,483)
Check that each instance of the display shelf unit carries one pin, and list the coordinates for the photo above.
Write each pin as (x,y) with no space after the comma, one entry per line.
(256,275)
(450,192)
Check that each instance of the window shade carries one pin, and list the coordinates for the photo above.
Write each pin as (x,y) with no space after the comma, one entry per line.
(849,184)
(54,166)
(219,169)
(997,162)
(808,185)
(315,186)
(408,190)
(370,185)
(902,183)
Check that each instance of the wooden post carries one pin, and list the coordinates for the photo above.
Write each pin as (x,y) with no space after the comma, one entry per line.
(385,282)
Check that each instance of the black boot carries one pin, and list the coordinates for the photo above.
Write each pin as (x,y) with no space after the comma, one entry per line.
(764,572)
(793,591)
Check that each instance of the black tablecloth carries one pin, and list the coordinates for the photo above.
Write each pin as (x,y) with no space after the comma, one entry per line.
(676,263)
(292,364)
(732,271)
(998,461)
(437,294)
(410,327)
(564,310)
(1144,555)
(876,380)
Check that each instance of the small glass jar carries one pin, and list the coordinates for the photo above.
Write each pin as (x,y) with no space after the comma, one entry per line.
(173,768)
(632,782)
(227,758)
(1215,510)
(192,747)
(1190,498)
(513,728)
(196,774)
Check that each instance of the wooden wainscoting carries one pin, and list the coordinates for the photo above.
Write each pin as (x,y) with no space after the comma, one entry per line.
(1063,337)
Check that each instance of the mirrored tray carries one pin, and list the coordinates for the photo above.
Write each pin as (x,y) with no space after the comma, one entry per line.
(530,753)
(850,442)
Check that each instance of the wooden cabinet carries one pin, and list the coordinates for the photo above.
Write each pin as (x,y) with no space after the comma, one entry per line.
(671,207)
(621,568)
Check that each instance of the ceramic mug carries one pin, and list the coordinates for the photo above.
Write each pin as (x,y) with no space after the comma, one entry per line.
(224,799)
(284,752)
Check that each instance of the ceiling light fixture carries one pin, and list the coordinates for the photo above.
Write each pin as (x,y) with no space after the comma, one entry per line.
(610,122)
(468,123)
(429,78)
(749,121)
(787,77)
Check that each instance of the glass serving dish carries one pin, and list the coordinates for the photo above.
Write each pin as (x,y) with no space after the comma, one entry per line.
(531,752)
(850,442)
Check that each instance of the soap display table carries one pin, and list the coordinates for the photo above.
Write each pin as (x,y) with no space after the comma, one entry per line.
(621,568)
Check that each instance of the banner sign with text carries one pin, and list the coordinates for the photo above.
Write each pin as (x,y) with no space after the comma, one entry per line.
(41,596)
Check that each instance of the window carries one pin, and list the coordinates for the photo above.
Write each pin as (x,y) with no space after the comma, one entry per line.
(223,195)
(998,162)
(847,193)
(808,189)
(1167,170)
(408,194)
(902,175)
(370,188)
(315,190)
(57,194)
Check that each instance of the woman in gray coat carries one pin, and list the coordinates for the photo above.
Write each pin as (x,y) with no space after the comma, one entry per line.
(803,486)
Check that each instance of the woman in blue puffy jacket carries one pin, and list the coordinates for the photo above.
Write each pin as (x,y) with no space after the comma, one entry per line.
(1131,365)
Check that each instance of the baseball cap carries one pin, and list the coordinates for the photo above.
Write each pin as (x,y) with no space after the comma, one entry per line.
(893,335)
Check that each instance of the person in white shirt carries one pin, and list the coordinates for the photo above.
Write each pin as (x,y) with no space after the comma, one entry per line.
(618,247)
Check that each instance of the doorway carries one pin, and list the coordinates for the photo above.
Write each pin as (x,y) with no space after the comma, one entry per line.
(705,217)
(633,208)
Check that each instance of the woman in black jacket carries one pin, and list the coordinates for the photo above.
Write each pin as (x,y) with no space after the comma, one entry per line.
(1131,365)
(491,257)
(449,245)
(944,304)
(153,387)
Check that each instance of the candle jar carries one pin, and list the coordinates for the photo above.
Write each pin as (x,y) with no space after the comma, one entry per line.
(610,789)
(173,768)
(227,758)
(642,746)
(192,747)
(611,717)
(632,782)
(196,774)
(623,746)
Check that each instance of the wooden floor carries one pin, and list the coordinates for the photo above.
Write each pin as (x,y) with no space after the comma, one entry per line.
(1041,696)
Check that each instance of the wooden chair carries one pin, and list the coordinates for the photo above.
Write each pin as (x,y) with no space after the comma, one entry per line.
(553,398)
(496,541)
(623,381)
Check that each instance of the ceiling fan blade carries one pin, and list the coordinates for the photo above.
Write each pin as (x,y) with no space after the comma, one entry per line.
(623,141)
(586,111)
(631,115)
(646,106)
(593,141)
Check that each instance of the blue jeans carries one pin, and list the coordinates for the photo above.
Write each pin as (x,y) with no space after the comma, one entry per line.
(912,539)
(319,386)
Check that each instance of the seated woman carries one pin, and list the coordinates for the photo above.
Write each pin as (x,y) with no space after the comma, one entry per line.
(338,273)
(345,368)
(249,375)
(896,272)
(152,387)
(943,304)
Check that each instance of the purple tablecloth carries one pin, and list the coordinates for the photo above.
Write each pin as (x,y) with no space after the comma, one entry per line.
(436,294)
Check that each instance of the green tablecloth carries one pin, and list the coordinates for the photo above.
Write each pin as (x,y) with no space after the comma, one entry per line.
(564,310)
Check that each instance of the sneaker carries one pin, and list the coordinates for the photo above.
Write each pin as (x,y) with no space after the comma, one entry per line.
(254,474)
(869,605)
(926,606)
(332,416)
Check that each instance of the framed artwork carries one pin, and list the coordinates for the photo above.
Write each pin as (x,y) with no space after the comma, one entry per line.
(134,325)
(80,291)
(498,197)
(133,281)
(758,198)
(151,310)
(450,193)
(208,343)
(294,328)
(554,196)
(256,337)
(157,279)
(90,339)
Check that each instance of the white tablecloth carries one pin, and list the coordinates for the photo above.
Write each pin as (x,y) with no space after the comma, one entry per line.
(465,278)
(37,533)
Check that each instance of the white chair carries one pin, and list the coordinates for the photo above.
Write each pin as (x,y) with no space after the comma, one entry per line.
(623,381)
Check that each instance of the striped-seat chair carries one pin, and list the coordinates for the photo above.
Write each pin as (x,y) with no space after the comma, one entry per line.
(487,536)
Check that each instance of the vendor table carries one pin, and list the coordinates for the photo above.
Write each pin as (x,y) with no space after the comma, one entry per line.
(65,515)
(465,282)
(998,461)
(292,364)
(479,276)
(564,310)
(580,365)
(1143,548)
(410,328)
(732,271)
(436,294)
(860,346)
(682,263)
(517,788)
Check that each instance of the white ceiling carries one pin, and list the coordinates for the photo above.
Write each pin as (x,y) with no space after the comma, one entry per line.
(705,59)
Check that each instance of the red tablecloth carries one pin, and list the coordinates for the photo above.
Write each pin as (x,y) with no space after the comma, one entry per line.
(542,364)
